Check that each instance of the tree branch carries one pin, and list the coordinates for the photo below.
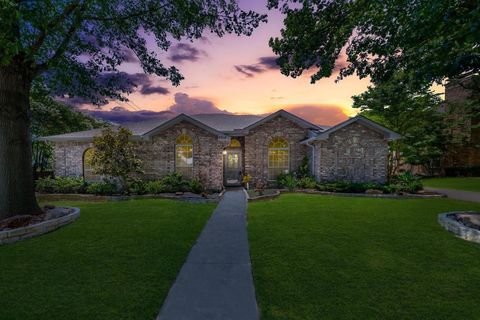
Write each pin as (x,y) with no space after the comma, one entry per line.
(63,45)
(67,11)
(135,14)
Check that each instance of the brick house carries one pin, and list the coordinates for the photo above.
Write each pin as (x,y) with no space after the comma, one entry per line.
(463,154)
(219,148)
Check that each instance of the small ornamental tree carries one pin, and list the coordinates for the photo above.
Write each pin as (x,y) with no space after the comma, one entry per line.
(114,155)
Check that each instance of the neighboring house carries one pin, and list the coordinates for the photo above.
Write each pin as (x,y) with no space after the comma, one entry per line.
(219,149)
(466,153)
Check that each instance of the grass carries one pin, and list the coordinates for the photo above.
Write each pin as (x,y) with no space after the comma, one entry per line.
(319,257)
(117,261)
(457,183)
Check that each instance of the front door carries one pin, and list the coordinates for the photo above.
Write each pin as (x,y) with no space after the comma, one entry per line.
(232,171)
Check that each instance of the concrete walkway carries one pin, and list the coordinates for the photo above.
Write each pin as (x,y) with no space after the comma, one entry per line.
(216,280)
(457,194)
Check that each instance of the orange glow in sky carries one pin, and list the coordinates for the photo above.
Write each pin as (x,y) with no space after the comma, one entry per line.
(229,72)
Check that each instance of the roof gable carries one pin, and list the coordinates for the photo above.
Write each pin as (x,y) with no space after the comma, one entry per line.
(387,133)
(178,119)
(290,116)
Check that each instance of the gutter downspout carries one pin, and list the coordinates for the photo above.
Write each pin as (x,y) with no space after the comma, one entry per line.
(313,158)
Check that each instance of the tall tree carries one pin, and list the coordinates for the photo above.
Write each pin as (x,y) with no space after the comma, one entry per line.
(75,47)
(427,40)
(412,112)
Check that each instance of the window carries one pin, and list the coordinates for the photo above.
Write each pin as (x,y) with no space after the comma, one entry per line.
(234,143)
(278,157)
(184,155)
(88,174)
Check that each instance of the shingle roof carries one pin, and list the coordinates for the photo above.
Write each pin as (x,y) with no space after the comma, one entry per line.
(227,122)
(218,123)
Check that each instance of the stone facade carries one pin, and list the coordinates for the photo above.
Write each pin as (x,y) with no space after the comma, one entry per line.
(157,155)
(69,158)
(353,153)
(258,139)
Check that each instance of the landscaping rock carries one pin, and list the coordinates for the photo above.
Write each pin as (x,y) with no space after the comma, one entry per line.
(373,191)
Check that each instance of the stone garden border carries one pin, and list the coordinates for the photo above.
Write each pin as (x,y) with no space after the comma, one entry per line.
(344,194)
(47,197)
(457,228)
(14,235)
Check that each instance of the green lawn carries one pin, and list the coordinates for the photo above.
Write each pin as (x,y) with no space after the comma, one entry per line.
(468,184)
(117,261)
(319,257)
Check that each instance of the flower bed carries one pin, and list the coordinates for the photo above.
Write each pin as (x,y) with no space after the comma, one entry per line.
(22,227)
(464,224)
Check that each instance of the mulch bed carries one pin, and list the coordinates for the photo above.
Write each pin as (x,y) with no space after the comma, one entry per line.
(468,219)
(49,213)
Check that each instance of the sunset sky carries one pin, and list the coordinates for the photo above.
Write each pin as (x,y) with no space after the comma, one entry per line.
(237,74)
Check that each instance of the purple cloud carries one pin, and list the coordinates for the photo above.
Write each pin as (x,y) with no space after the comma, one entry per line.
(154,90)
(264,64)
(122,115)
(182,52)
(185,104)
(126,81)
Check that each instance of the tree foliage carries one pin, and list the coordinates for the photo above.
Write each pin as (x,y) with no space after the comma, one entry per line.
(114,155)
(412,112)
(50,117)
(75,47)
(426,40)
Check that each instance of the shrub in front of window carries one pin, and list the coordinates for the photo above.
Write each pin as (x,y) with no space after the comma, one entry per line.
(103,188)
(174,182)
(114,156)
(154,187)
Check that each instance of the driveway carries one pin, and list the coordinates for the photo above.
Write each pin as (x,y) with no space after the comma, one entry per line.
(458,194)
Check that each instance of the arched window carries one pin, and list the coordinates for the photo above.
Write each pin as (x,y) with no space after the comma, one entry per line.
(278,157)
(88,174)
(184,155)
(234,143)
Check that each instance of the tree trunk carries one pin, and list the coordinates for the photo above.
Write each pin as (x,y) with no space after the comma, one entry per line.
(17,195)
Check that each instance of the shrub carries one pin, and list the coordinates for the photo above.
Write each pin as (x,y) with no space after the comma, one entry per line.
(307,183)
(102,188)
(348,187)
(406,182)
(195,186)
(287,180)
(174,182)
(136,187)
(45,185)
(303,170)
(154,187)
(60,185)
